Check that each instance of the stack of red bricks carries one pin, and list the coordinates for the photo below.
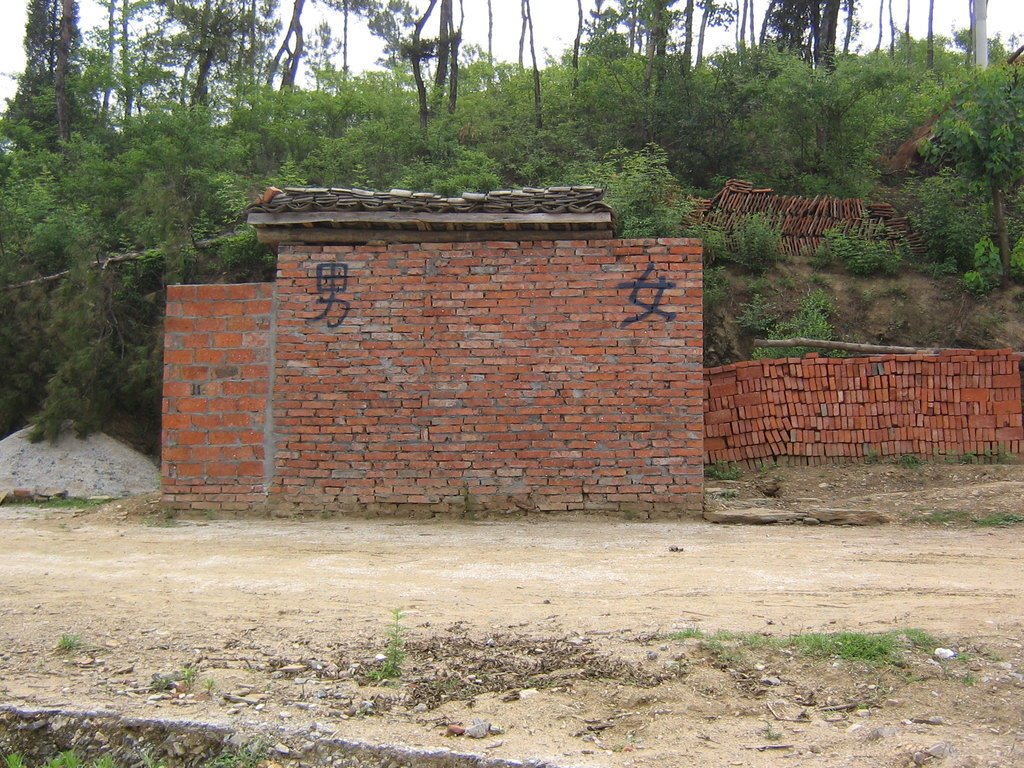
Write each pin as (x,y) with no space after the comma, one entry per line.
(815,410)
(217,372)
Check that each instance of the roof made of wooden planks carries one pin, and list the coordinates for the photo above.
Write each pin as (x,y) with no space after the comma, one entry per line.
(340,215)
(805,220)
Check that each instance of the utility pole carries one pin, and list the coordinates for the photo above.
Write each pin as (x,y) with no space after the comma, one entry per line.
(981,33)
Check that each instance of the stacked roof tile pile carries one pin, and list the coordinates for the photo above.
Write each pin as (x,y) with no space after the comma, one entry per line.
(816,410)
(804,220)
(580,199)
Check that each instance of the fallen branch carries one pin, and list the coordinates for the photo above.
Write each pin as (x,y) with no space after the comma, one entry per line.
(848,346)
(116,258)
(103,264)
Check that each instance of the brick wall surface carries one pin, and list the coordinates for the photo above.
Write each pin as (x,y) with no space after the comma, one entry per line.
(217,372)
(498,376)
(816,410)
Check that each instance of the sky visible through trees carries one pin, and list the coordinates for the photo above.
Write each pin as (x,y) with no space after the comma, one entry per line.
(555,27)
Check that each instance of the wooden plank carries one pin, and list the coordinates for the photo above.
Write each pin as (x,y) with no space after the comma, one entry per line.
(420,219)
(275,236)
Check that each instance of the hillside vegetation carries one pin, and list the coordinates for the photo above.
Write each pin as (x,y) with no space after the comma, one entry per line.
(130,152)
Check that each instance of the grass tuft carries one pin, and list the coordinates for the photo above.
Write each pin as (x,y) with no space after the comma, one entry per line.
(69,643)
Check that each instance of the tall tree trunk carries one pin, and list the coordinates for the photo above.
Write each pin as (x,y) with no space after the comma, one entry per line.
(881,24)
(751,17)
(576,47)
(906,36)
(416,57)
(522,31)
(892,32)
(999,214)
(831,30)
(444,43)
(111,39)
(815,51)
(688,36)
(453,81)
(703,30)
(537,111)
(127,92)
(764,22)
(850,5)
(288,54)
(931,34)
(490,31)
(65,40)
(344,37)
(741,41)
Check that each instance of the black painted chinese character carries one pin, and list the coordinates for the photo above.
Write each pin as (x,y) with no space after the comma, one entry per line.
(649,308)
(331,280)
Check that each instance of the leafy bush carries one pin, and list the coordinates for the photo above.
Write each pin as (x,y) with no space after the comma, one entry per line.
(758,316)
(951,218)
(1017,261)
(715,243)
(646,198)
(757,243)
(860,256)
(988,269)
(715,287)
(813,320)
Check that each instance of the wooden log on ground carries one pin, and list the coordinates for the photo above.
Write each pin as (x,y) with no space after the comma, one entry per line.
(846,346)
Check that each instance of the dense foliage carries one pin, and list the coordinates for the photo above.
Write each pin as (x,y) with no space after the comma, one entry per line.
(145,139)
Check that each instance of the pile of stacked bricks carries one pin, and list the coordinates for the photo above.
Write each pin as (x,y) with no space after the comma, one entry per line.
(804,221)
(816,410)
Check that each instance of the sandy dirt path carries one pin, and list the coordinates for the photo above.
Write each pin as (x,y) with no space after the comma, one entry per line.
(155,598)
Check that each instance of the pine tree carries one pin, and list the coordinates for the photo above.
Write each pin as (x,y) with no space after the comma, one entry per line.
(45,106)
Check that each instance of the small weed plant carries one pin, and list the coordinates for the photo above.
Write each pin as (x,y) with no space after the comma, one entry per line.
(876,649)
(249,756)
(394,654)
(722,470)
(909,461)
(69,643)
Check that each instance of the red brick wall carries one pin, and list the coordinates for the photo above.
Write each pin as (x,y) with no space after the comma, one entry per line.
(217,373)
(817,409)
(490,377)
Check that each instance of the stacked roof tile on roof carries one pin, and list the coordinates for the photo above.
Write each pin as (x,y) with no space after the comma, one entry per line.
(580,199)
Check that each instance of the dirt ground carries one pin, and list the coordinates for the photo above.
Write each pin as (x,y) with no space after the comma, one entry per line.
(585,642)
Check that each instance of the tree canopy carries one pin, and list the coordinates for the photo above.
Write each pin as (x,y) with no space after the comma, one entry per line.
(130,151)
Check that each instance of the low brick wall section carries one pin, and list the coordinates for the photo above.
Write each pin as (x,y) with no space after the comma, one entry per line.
(816,410)
(490,377)
(465,378)
(217,373)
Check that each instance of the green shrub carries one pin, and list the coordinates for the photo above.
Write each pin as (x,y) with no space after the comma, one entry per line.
(756,243)
(758,316)
(988,268)
(951,218)
(860,256)
(1017,261)
(813,320)
(722,470)
(715,287)
(715,243)
(646,198)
